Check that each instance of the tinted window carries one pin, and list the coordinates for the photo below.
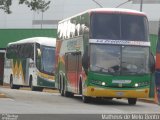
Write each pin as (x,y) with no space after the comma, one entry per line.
(133,28)
(135,60)
(119,27)
(105,26)
(105,58)
(113,59)
(48,59)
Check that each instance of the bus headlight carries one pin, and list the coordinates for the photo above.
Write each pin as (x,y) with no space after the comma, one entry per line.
(136,85)
(103,83)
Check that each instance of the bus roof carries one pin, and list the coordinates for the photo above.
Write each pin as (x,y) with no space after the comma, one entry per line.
(41,40)
(109,10)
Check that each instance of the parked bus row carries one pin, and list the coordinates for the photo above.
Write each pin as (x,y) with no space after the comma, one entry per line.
(100,53)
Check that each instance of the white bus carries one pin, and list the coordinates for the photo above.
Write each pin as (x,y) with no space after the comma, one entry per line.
(30,62)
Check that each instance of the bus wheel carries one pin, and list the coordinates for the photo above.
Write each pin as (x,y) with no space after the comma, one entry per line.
(132,101)
(40,89)
(37,89)
(86,99)
(31,84)
(12,86)
(80,87)
(66,93)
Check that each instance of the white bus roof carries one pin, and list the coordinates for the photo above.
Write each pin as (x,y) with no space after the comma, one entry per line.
(121,10)
(41,40)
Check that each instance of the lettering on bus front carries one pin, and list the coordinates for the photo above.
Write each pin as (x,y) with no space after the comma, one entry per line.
(119,42)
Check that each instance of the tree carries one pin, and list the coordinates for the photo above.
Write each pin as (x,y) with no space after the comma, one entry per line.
(35,5)
(5,5)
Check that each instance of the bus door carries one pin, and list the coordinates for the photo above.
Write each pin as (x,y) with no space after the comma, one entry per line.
(73,69)
(25,55)
(27,71)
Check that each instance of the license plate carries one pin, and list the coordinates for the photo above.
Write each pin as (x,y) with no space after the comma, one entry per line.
(119,93)
(121,81)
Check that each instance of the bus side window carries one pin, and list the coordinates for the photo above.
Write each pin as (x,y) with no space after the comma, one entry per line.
(38,58)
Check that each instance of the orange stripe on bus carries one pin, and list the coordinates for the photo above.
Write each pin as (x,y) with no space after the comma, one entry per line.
(158,61)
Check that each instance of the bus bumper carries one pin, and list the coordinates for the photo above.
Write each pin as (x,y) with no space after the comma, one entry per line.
(116,93)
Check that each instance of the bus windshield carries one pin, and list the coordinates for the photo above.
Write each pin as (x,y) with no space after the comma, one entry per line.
(119,27)
(135,60)
(125,60)
(47,59)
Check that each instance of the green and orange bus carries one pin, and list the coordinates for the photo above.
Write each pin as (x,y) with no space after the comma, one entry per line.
(104,53)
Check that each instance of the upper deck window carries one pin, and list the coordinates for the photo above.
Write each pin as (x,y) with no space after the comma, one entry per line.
(119,27)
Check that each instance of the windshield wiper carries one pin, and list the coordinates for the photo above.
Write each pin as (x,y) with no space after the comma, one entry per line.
(101,68)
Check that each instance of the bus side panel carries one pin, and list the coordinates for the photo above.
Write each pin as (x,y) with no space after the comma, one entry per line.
(32,72)
(7,70)
(158,59)
(45,80)
(19,71)
(73,43)
(57,62)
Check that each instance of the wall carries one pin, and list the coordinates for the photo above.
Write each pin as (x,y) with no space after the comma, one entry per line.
(11,35)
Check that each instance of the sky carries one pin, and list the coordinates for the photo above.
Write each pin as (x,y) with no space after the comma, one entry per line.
(22,16)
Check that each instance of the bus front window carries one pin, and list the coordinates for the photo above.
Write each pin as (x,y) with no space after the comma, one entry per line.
(105,26)
(119,27)
(47,60)
(124,60)
(134,28)
(135,60)
(105,59)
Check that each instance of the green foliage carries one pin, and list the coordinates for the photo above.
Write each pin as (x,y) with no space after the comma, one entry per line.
(5,5)
(35,5)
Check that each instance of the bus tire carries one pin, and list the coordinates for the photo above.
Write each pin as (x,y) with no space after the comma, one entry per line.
(66,93)
(12,86)
(33,88)
(80,87)
(132,101)
(86,99)
(40,89)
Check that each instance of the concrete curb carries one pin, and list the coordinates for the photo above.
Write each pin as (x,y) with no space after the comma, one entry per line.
(2,95)
(147,100)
